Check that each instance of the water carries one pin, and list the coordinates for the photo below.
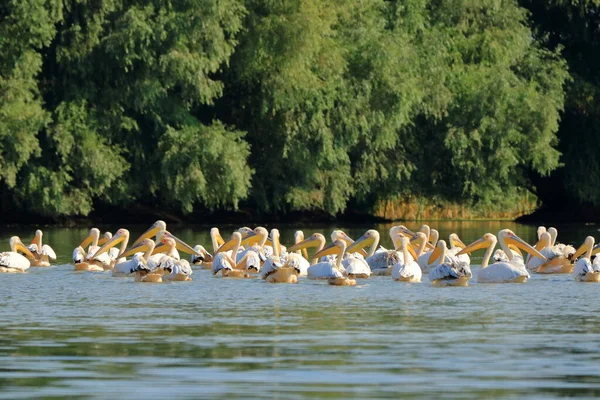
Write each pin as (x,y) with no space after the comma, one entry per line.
(88,335)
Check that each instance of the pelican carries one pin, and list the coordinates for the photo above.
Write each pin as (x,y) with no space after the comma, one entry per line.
(275,270)
(299,259)
(11,261)
(409,270)
(566,250)
(379,262)
(42,253)
(449,270)
(121,236)
(331,270)
(254,255)
(584,270)
(178,270)
(456,245)
(89,262)
(511,271)
(554,263)
(203,257)
(223,260)
(138,264)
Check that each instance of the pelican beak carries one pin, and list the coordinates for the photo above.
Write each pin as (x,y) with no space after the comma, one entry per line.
(152,231)
(456,242)
(435,254)
(249,238)
(137,248)
(331,249)
(596,249)
(359,244)
(309,242)
(228,245)
(582,249)
(19,246)
(411,251)
(181,245)
(523,245)
(476,245)
(416,241)
(87,241)
(102,241)
(118,238)
(407,232)
(207,256)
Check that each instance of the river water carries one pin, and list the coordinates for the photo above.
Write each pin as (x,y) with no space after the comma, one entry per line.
(88,335)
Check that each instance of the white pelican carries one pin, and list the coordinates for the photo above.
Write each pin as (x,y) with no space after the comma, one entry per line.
(223,260)
(379,262)
(175,270)
(203,257)
(407,271)
(567,250)
(511,271)
(555,262)
(11,261)
(299,259)
(332,270)
(253,256)
(43,253)
(138,264)
(121,236)
(90,262)
(456,245)
(584,270)
(276,270)
(449,270)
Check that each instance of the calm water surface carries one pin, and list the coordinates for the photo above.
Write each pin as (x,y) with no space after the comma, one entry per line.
(88,335)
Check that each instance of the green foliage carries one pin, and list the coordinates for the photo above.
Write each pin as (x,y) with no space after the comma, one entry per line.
(295,105)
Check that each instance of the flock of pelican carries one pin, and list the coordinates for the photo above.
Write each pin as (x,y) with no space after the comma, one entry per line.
(154,256)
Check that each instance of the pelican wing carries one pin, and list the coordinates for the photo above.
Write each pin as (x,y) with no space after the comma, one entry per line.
(356,266)
(324,270)
(48,251)
(10,259)
(501,272)
(582,267)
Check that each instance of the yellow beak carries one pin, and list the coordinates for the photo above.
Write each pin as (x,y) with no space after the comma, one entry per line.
(331,249)
(309,242)
(476,245)
(360,243)
(523,245)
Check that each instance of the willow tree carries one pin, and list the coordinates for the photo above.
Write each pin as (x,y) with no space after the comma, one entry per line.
(379,99)
(123,82)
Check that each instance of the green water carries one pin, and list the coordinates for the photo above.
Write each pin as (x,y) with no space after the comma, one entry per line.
(88,335)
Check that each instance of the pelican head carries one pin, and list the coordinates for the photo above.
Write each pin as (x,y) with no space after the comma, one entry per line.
(234,242)
(105,238)
(440,252)
(93,236)
(152,231)
(338,247)
(17,245)
(365,240)
(179,244)
(588,245)
(511,239)
(487,240)
(455,241)
(314,240)
(121,235)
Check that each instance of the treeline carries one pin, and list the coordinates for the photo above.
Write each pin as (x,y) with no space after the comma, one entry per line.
(293,105)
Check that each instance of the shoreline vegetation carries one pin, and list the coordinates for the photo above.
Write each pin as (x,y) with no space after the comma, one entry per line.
(303,109)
